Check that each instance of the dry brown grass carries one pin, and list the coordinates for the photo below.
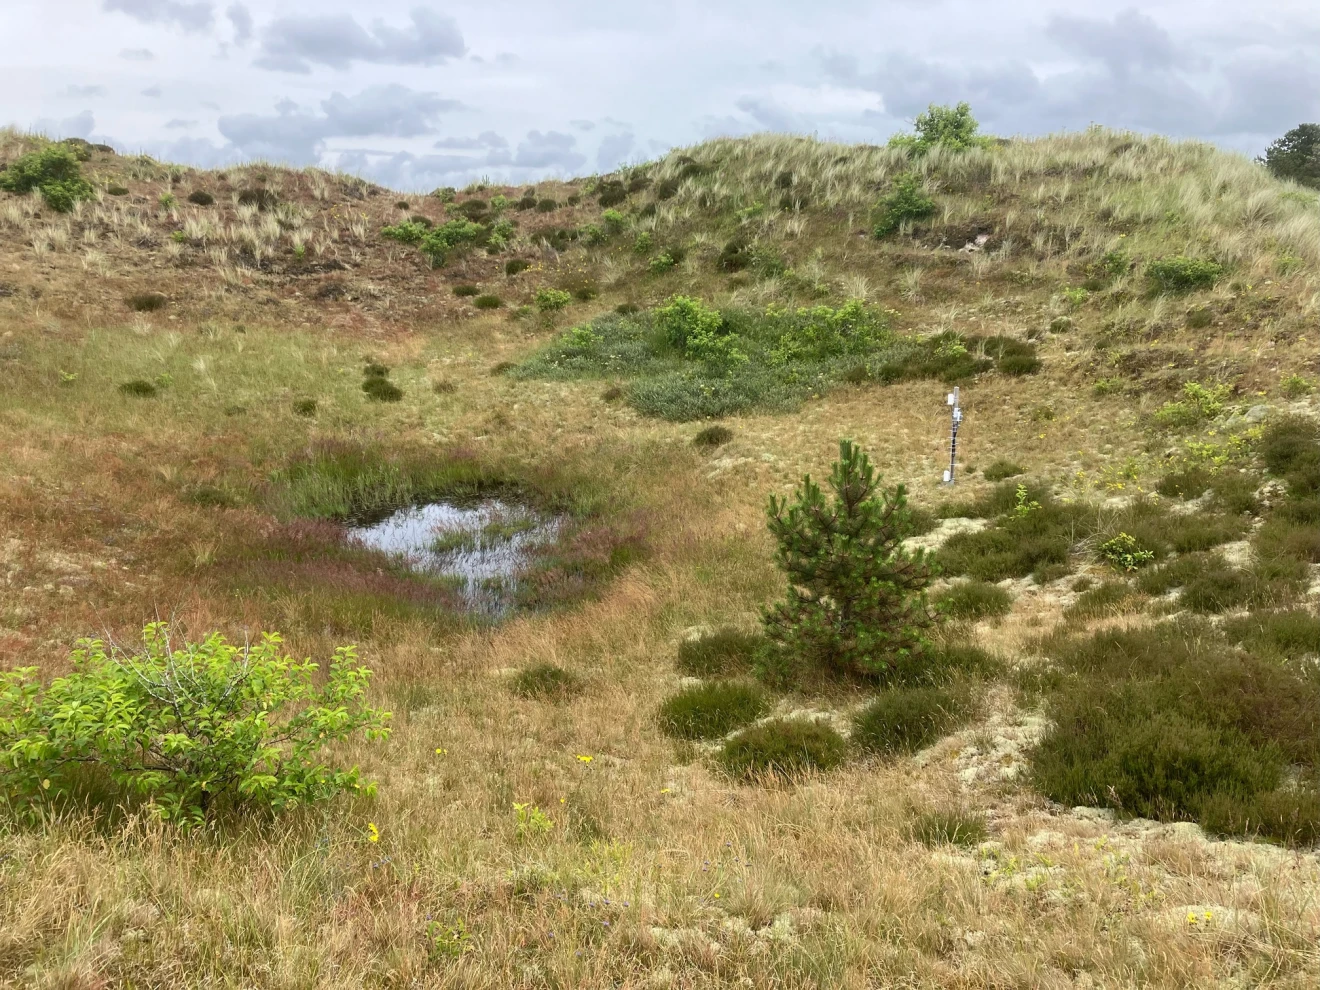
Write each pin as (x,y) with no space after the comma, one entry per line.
(708,883)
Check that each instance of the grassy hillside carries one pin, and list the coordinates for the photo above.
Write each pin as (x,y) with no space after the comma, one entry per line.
(184,433)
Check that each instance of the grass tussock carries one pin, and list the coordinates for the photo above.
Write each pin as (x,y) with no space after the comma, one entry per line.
(787,748)
(712,710)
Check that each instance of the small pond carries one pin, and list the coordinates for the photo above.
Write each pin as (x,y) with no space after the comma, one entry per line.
(480,548)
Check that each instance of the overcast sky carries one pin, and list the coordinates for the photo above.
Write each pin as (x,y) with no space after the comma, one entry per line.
(418,94)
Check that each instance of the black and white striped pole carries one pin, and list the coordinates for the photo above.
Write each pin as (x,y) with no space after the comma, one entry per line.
(953,435)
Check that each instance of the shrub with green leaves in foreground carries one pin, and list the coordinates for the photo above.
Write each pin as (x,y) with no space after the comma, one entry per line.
(189,727)
(707,711)
(906,719)
(1183,274)
(856,600)
(436,242)
(54,171)
(690,361)
(907,203)
(786,747)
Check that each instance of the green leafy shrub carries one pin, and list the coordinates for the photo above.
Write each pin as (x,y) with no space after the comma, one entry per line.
(305,407)
(488,301)
(54,171)
(190,727)
(1124,552)
(951,827)
(1002,469)
(552,300)
(1296,386)
(139,388)
(436,242)
(719,653)
(943,126)
(545,680)
(1182,274)
(466,291)
(856,599)
(708,711)
(907,203)
(945,356)
(1197,404)
(974,600)
(789,747)
(380,389)
(906,719)
(200,197)
(713,436)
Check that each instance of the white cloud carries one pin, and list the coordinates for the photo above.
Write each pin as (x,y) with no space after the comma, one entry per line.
(191,16)
(294,44)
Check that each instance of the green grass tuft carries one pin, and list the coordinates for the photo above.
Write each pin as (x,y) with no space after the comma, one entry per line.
(789,748)
(708,711)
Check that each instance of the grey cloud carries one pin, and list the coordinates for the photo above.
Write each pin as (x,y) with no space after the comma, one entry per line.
(82,92)
(191,16)
(551,149)
(293,134)
(178,124)
(613,151)
(79,125)
(137,54)
(292,44)
(772,117)
(241,20)
(153,92)
(1131,40)
(486,139)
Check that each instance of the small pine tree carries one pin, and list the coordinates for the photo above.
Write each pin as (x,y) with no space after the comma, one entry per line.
(1296,155)
(856,599)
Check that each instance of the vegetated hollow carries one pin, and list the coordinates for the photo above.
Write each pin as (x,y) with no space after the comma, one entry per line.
(482,547)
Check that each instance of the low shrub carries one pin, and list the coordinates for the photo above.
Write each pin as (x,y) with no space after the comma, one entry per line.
(263,199)
(1110,598)
(1017,545)
(380,389)
(192,727)
(116,191)
(305,407)
(1125,552)
(1182,274)
(713,436)
(545,680)
(201,197)
(907,202)
(1013,357)
(54,171)
(1290,445)
(464,291)
(906,719)
(627,308)
(552,300)
(1287,635)
(146,302)
(1001,470)
(1189,483)
(951,827)
(788,748)
(546,205)
(708,711)
(139,388)
(974,600)
(722,652)
(488,301)
(515,266)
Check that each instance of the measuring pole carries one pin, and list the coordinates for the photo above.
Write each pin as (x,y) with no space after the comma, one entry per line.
(953,435)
